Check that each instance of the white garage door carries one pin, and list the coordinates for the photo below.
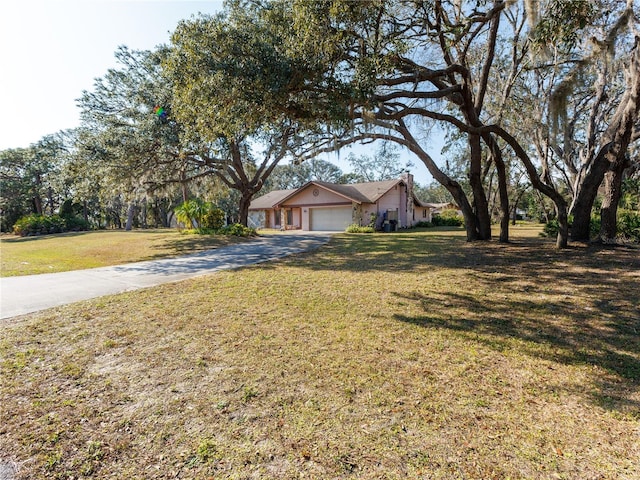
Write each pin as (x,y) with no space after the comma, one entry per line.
(331,219)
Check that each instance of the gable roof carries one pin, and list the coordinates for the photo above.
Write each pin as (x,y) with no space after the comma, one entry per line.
(441,205)
(368,192)
(269,200)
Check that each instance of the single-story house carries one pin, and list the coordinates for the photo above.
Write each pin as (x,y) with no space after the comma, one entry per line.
(438,208)
(333,207)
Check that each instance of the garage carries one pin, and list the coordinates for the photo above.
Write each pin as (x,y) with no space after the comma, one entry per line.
(330,219)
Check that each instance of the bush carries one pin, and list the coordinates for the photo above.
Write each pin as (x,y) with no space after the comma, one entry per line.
(551,228)
(76,224)
(237,230)
(213,219)
(423,224)
(629,225)
(354,228)
(448,218)
(39,225)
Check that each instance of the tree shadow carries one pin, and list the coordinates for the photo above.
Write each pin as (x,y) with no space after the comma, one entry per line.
(599,327)
(32,238)
(196,243)
(579,306)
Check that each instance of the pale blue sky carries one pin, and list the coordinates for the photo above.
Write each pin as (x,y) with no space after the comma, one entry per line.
(52,50)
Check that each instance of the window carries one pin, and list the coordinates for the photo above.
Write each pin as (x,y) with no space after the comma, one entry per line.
(424,213)
(392,215)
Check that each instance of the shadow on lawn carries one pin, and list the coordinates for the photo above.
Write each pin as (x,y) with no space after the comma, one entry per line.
(579,306)
(609,341)
(32,238)
(186,244)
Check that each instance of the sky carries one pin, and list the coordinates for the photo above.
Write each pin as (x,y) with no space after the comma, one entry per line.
(53,50)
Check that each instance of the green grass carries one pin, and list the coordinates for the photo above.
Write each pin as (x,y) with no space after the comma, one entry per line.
(409,355)
(78,250)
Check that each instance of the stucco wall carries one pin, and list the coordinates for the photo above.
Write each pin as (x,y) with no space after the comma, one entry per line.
(306,199)
(323,198)
(394,199)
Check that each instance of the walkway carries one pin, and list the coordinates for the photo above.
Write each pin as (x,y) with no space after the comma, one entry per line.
(31,293)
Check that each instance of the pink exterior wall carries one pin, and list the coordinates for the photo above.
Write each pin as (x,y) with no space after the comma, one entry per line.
(396,200)
(324,198)
(306,199)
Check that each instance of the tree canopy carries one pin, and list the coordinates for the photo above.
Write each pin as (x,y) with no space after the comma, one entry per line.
(531,96)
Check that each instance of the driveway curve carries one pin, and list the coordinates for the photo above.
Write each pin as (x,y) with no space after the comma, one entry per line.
(31,293)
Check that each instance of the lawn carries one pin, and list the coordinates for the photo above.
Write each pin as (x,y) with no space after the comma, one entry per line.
(77,250)
(408,355)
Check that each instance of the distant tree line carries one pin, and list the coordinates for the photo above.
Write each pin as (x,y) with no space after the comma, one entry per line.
(538,102)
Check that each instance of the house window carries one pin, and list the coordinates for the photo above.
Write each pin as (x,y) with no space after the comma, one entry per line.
(392,215)
(276,214)
(424,213)
(289,213)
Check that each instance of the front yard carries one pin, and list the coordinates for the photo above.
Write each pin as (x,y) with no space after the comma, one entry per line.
(410,355)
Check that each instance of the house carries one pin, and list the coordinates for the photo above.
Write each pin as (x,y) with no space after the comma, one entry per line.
(438,208)
(332,207)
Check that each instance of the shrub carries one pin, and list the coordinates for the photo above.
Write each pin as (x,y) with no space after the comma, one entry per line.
(354,228)
(213,219)
(39,225)
(448,218)
(629,225)
(44,225)
(423,224)
(551,228)
(76,224)
(237,230)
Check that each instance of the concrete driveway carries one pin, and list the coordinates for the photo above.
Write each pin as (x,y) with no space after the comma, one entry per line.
(31,293)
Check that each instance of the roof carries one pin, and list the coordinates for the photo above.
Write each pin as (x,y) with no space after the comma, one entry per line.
(441,205)
(270,199)
(369,192)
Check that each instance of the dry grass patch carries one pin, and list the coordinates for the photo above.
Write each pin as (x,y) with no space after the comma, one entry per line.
(78,250)
(413,355)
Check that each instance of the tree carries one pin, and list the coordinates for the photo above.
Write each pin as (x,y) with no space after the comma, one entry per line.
(401,60)
(130,138)
(231,83)
(15,198)
(409,63)
(384,165)
(592,84)
(295,175)
(30,180)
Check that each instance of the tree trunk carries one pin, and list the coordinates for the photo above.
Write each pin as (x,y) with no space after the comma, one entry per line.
(609,211)
(453,187)
(503,188)
(479,196)
(470,219)
(562,240)
(50,200)
(144,213)
(538,184)
(617,139)
(130,213)
(583,204)
(243,209)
